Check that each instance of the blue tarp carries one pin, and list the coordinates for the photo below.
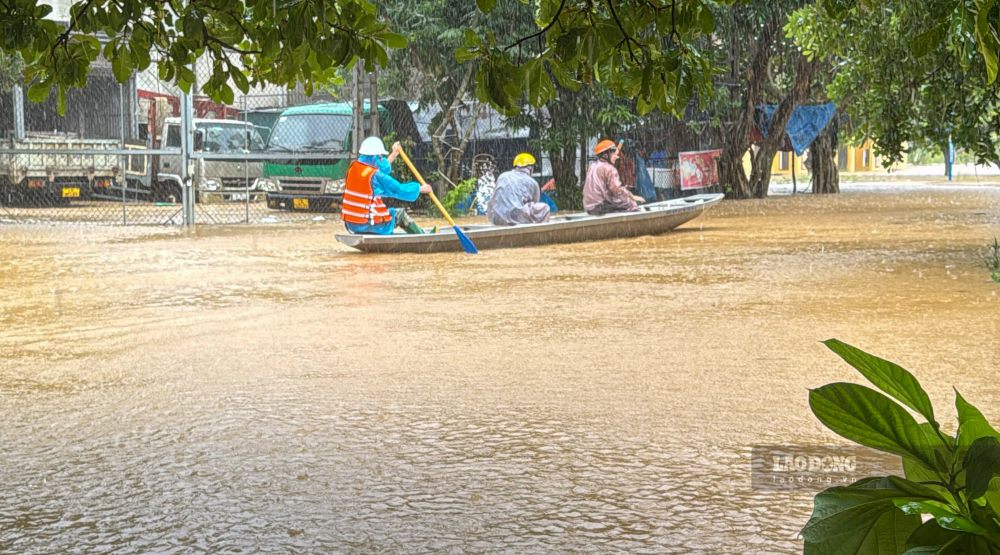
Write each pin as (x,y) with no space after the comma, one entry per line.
(643,184)
(806,123)
(544,197)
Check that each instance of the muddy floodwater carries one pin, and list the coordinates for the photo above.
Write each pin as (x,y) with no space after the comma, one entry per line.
(263,389)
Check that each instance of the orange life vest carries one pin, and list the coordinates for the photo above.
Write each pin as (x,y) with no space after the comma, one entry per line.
(360,205)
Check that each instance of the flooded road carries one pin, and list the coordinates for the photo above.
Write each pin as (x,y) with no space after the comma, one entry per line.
(262,389)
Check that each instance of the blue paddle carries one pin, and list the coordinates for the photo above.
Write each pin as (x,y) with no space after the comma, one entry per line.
(467,244)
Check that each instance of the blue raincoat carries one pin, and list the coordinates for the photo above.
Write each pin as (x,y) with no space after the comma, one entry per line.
(385,185)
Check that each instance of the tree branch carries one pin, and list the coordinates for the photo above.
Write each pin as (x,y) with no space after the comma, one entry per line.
(63,38)
(446,116)
(555,18)
(214,40)
(466,136)
(628,40)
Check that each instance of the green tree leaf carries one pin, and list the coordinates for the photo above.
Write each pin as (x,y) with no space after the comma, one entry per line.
(837,8)
(61,100)
(39,91)
(887,376)
(463,55)
(867,417)
(392,40)
(924,43)
(859,519)
(931,539)
(943,514)
(918,472)
(982,464)
(986,38)
(972,425)
(121,67)
(240,79)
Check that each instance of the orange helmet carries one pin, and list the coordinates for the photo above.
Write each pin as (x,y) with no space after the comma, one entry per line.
(603,146)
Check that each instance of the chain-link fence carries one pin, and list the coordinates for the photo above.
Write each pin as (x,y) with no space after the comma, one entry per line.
(144,152)
(88,164)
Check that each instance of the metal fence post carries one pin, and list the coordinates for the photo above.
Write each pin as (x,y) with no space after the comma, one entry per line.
(246,163)
(122,163)
(359,111)
(374,102)
(18,98)
(187,138)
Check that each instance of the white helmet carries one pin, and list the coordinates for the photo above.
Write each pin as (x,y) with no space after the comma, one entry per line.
(372,146)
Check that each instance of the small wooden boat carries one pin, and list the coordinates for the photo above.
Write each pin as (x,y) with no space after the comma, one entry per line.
(650,219)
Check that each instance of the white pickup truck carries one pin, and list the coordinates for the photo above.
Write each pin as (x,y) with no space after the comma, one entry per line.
(43,177)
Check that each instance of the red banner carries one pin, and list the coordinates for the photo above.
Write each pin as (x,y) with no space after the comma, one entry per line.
(699,169)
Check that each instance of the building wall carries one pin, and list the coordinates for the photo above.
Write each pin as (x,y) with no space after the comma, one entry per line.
(850,159)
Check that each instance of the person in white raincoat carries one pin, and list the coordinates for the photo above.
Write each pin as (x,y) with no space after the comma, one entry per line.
(516,199)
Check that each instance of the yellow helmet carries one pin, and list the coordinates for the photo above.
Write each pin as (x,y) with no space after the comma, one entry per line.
(524,159)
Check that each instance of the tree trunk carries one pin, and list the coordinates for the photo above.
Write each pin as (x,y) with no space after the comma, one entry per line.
(448,119)
(760,175)
(947,158)
(568,194)
(737,141)
(456,161)
(731,172)
(823,160)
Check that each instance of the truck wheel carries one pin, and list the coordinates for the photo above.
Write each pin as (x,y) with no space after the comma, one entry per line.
(169,192)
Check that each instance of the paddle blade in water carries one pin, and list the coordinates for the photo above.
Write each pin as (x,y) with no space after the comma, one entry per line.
(467,244)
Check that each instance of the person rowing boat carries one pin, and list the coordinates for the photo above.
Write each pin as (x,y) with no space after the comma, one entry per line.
(369,179)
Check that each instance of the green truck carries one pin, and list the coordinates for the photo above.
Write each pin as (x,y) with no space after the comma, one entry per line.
(312,183)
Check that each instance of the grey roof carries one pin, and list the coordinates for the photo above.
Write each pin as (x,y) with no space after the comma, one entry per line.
(490,124)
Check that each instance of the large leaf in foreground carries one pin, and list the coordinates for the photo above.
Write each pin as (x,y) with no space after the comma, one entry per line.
(890,377)
(943,514)
(915,471)
(931,539)
(865,416)
(972,425)
(982,464)
(860,518)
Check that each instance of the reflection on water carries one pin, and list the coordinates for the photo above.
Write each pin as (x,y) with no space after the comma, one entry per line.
(265,390)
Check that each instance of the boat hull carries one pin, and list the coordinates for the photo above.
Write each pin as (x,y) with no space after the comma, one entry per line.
(653,219)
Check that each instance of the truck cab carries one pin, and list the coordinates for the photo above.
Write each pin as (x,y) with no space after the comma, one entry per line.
(214,180)
(310,183)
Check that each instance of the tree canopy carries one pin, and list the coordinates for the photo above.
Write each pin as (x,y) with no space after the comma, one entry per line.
(911,72)
(904,71)
(647,50)
(283,42)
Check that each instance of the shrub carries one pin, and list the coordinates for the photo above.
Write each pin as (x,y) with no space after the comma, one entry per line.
(952,481)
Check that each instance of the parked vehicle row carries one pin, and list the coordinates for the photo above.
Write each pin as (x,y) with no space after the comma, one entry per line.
(317,139)
(45,177)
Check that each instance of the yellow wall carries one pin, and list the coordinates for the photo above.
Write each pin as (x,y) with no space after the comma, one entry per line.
(859,159)
(851,159)
(782,164)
